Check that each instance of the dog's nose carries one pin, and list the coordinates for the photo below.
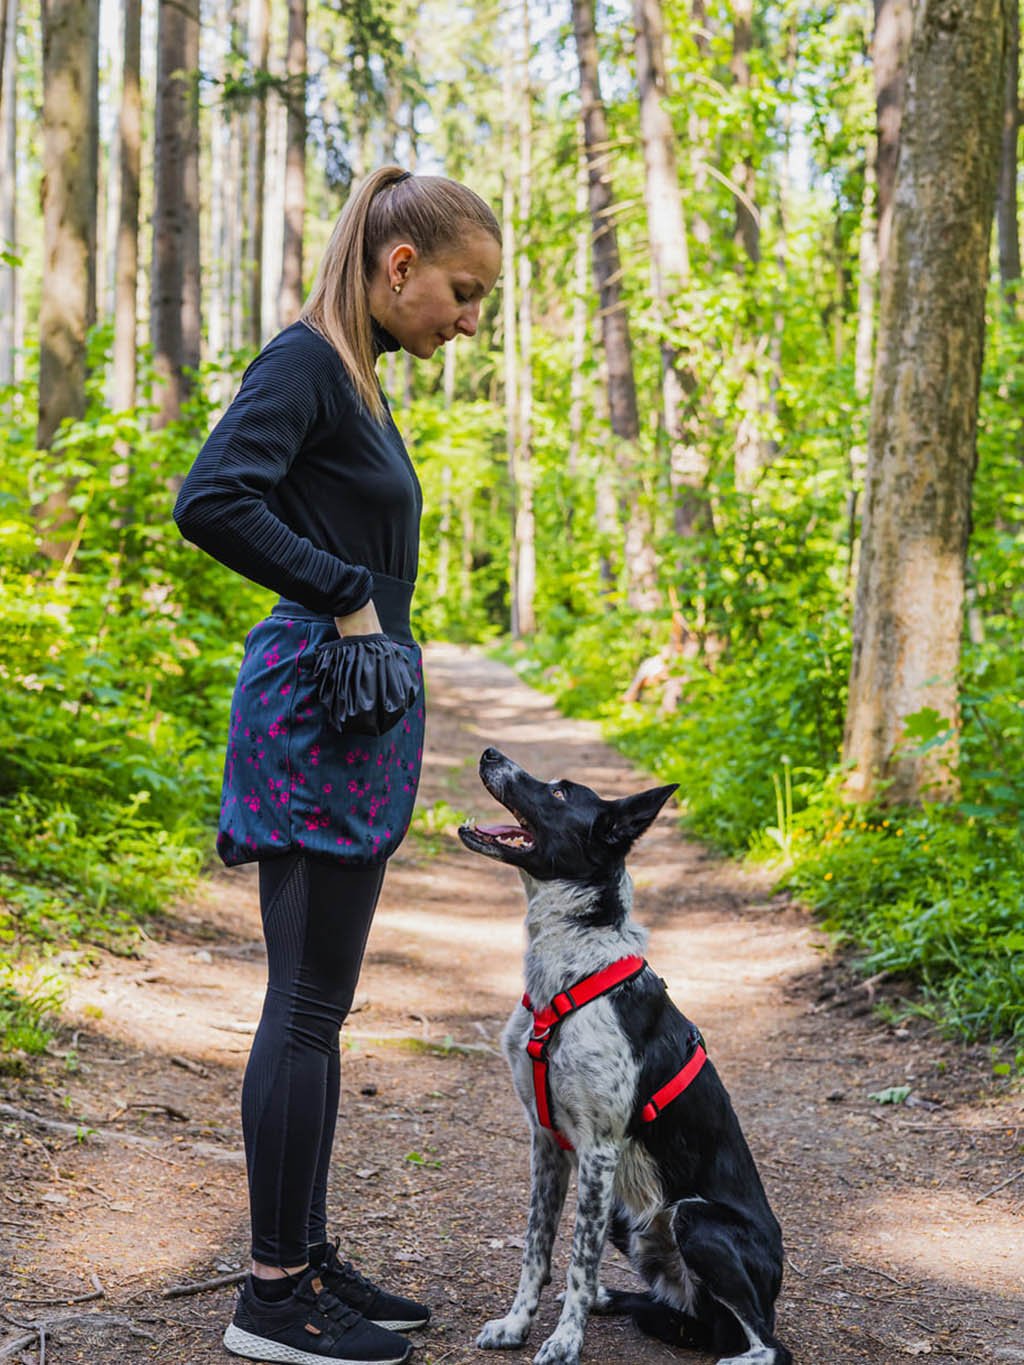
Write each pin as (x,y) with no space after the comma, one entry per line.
(491,756)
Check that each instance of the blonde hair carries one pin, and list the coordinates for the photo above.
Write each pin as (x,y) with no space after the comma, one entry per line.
(429,211)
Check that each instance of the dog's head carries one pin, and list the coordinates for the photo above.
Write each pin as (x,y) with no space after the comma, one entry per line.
(563,831)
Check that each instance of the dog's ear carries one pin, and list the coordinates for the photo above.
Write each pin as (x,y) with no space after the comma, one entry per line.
(622,822)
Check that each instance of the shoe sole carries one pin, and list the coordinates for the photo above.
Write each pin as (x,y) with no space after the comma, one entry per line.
(399,1324)
(263,1348)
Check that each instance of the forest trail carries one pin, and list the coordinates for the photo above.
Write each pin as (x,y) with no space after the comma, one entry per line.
(121,1160)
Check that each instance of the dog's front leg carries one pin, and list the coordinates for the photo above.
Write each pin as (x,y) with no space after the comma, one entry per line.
(595,1186)
(549,1180)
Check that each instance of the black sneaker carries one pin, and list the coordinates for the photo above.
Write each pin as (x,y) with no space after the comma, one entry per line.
(310,1327)
(367,1298)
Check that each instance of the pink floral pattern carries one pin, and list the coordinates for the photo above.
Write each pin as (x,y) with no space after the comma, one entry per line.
(291,781)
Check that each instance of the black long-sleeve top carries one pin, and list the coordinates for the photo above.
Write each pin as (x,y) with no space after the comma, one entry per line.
(298,488)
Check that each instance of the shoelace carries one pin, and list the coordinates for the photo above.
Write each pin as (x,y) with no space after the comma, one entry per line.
(332,1308)
(347,1271)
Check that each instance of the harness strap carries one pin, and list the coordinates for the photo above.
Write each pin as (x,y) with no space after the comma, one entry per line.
(545,1022)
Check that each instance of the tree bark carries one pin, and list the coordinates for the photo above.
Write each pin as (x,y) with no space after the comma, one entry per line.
(127,269)
(1006,212)
(622,404)
(174,310)
(747,234)
(295,167)
(93,151)
(260,62)
(670,265)
(894,22)
(68,210)
(921,457)
(9,195)
(524,620)
(4,6)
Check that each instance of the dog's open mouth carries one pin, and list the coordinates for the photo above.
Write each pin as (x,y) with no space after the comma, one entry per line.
(518,836)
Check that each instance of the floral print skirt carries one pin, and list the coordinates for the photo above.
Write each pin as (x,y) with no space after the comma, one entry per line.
(292,782)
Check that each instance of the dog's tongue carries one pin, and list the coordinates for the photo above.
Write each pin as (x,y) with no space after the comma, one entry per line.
(495,830)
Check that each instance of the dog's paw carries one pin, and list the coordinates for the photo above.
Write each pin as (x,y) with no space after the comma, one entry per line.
(502,1333)
(559,1350)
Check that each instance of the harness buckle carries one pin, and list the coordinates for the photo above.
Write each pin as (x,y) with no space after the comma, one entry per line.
(537,1046)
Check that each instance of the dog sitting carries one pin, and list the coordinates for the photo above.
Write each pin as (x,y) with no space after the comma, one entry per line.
(615,1078)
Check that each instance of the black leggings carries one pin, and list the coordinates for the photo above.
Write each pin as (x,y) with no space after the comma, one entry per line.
(316,919)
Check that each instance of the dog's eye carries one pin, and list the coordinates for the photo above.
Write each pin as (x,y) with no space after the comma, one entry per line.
(559,794)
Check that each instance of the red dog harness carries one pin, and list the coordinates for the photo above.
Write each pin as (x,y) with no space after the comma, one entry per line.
(565,1003)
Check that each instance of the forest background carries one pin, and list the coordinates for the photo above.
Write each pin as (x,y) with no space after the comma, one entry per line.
(725,466)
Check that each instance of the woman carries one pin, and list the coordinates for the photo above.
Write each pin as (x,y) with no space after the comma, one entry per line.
(306,487)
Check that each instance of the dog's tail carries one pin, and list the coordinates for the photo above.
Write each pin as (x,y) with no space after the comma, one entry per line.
(656,1319)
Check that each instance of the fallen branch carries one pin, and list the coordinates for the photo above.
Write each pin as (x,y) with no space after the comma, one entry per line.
(186,1064)
(19,1344)
(1001,1186)
(180,1291)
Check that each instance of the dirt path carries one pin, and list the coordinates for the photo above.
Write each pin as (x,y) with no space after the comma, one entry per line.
(121,1161)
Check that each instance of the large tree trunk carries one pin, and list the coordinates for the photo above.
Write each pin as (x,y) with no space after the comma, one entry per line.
(670,264)
(93,146)
(175,284)
(295,167)
(9,196)
(618,351)
(524,620)
(260,61)
(1006,213)
(127,270)
(894,21)
(910,588)
(4,7)
(69,204)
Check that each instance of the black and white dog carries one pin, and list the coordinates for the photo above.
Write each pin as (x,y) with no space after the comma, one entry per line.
(614,1077)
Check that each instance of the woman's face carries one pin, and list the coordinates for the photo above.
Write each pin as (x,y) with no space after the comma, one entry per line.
(438,297)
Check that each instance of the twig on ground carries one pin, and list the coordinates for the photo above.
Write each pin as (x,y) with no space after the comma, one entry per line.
(42,1344)
(19,1344)
(179,1291)
(186,1064)
(1001,1186)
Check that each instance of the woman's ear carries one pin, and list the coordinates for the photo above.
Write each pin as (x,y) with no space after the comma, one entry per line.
(399,261)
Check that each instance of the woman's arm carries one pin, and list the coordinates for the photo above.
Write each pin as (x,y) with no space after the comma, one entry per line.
(286,392)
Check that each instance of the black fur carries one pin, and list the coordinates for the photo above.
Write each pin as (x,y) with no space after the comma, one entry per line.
(709,1248)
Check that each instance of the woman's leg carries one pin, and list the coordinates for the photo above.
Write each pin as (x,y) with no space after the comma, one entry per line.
(316,919)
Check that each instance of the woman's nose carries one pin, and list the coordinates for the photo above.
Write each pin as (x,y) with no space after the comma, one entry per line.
(468,320)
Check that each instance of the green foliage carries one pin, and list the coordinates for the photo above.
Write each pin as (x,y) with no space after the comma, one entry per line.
(118,661)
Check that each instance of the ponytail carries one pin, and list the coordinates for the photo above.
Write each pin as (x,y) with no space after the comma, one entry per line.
(429,211)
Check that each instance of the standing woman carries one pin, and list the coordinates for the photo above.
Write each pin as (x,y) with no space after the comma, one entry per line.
(305,486)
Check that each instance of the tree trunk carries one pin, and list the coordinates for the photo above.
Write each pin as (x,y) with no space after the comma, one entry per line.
(93,151)
(295,167)
(524,617)
(68,210)
(127,270)
(9,195)
(698,134)
(670,265)
(639,553)
(4,6)
(174,309)
(747,234)
(260,62)
(921,458)
(894,22)
(1006,212)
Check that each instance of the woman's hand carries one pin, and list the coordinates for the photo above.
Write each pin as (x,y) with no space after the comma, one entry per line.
(365,621)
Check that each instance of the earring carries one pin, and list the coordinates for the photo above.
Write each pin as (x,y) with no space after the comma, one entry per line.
(397,288)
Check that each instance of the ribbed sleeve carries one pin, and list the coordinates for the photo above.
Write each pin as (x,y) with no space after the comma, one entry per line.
(294,388)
